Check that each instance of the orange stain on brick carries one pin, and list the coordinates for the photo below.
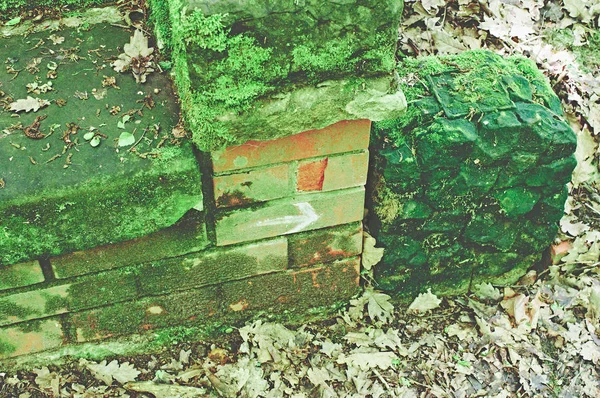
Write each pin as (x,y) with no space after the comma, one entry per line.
(311,175)
(344,136)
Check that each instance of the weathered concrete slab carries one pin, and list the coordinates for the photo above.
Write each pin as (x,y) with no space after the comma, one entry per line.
(59,193)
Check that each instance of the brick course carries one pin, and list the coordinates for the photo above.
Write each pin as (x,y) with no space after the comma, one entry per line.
(213,266)
(344,136)
(186,236)
(294,290)
(196,305)
(287,218)
(90,292)
(31,337)
(19,275)
(290,215)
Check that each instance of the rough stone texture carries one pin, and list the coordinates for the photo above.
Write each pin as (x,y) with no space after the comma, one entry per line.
(471,182)
(60,194)
(261,70)
(186,236)
(316,107)
(19,275)
(197,306)
(290,215)
(30,337)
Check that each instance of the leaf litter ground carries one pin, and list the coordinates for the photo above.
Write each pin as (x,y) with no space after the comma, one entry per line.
(540,337)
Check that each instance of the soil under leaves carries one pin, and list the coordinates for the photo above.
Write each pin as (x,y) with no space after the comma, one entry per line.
(538,338)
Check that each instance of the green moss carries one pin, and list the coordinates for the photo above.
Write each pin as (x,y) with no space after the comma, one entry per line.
(101,289)
(106,194)
(10,8)
(6,348)
(54,303)
(159,18)
(225,63)
(489,144)
(389,205)
(181,334)
(9,309)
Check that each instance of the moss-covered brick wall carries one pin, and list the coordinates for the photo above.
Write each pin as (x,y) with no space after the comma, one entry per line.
(469,185)
(263,69)
(266,241)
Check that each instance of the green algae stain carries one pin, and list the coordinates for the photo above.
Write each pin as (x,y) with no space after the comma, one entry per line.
(11,310)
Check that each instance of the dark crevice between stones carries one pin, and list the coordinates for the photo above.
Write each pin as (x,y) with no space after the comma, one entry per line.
(69,332)
(208,193)
(47,269)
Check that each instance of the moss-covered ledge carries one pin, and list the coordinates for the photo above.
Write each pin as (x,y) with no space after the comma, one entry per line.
(66,184)
(260,70)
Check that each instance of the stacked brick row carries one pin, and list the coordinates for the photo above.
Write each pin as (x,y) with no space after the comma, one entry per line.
(284,232)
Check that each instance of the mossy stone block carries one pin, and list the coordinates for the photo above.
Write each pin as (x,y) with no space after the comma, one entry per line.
(517,201)
(403,166)
(493,154)
(59,193)
(260,70)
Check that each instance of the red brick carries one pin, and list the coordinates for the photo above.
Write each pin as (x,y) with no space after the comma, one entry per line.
(252,186)
(214,266)
(18,275)
(294,290)
(94,291)
(30,337)
(192,306)
(345,136)
(345,171)
(325,245)
(290,215)
(311,175)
